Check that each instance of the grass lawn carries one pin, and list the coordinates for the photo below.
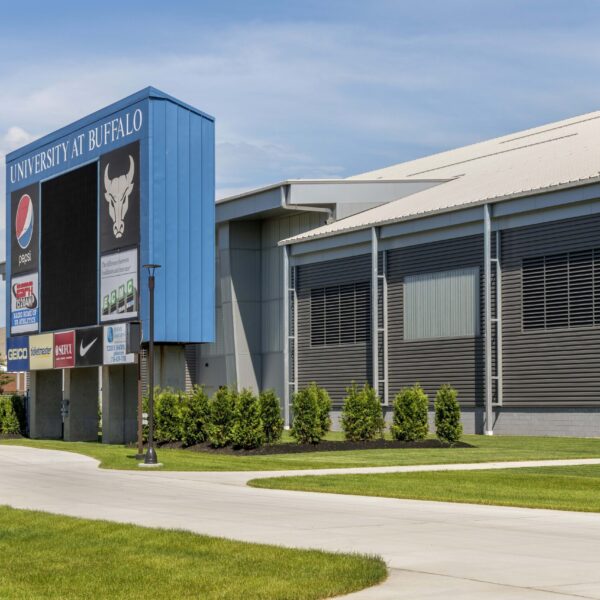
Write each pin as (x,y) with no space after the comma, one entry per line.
(561,488)
(48,556)
(493,448)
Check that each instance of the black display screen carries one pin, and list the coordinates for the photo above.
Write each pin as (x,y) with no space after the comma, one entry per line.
(69,250)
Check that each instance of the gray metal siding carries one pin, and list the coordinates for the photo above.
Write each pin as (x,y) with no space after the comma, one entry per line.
(442,304)
(555,367)
(333,367)
(432,362)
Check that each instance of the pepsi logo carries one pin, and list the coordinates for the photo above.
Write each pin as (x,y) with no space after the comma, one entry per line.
(24,221)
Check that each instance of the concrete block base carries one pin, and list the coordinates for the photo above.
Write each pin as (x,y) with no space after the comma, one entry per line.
(81,390)
(45,398)
(564,422)
(119,404)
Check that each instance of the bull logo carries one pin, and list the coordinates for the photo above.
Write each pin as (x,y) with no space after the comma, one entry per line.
(117,193)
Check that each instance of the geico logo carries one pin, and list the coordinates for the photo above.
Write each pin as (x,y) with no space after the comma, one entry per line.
(41,351)
(17,353)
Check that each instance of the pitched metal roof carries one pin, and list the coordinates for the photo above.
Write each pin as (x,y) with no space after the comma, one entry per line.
(561,154)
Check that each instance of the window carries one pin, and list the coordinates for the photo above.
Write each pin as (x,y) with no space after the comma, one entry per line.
(339,314)
(561,290)
(442,304)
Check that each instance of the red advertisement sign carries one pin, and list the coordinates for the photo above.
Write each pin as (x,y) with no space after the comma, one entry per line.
(64,350)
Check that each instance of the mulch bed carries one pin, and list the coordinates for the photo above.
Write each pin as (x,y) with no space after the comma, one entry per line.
(326,446)
(10,436)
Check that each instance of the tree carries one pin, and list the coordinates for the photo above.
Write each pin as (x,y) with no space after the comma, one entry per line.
(270,413)
(195,415)
(448,426)
(167,415)
(410,414)
(310,407)
(9,421)
(247,431)
(362,416)
(221,416)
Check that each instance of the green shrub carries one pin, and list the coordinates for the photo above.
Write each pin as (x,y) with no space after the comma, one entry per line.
(448,427)
(310,407)
(362,416)
(167,415)
(410,414)
(270,414)
(324,404)
(222,406)
(247,431)
(195,414)
(9,417)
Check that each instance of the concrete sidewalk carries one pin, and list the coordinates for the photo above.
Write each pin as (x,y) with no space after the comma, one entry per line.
(434,550)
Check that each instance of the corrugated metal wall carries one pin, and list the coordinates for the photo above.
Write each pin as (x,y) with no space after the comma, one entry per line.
(432,362)
(333,367)
(442,304)
(181,224)
(555,367)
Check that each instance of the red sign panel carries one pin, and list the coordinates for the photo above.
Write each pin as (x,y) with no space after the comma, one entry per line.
(64,350)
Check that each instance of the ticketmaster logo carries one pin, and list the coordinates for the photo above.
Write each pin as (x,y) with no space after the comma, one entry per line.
(41,351)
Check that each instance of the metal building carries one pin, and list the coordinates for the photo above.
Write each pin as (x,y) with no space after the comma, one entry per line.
(478,267)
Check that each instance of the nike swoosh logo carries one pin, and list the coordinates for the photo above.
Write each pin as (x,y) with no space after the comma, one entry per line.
(83,350)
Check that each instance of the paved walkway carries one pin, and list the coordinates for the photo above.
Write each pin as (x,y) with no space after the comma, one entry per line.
(433,549)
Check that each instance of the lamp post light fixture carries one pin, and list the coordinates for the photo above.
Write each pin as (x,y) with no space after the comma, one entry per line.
(151,460)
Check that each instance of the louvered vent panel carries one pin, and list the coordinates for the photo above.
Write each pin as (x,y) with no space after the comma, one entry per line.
(339,314)
(533,293)
(561,290)
(557,290)
(581,288)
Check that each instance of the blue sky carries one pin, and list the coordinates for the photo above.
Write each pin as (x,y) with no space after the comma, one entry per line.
(305,88)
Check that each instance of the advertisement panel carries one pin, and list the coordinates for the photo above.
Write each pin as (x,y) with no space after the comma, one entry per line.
(115,345)
(41,351)
(118,285)
(24,308)
(120,198)
(64,350)
(17,353)
(88,344)
(24,229)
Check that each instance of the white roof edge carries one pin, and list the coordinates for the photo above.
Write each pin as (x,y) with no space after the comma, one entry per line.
(308,237)
(348,181)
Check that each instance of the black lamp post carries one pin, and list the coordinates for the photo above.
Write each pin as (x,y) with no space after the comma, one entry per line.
(151,458)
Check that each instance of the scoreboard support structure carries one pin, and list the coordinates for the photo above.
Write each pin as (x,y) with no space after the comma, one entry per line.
(119,411)
(80,399)
(45,402)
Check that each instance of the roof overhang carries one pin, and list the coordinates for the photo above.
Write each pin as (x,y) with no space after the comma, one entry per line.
(456,209)
(317,195)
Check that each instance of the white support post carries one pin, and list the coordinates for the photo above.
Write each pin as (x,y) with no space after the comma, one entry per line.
(500,383)
(294,292)
(386,375)
(374,309)
(286,336)
(487,258)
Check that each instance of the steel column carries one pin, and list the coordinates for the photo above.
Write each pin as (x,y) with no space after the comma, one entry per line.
(286,336)
(487,258)
(375,309)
